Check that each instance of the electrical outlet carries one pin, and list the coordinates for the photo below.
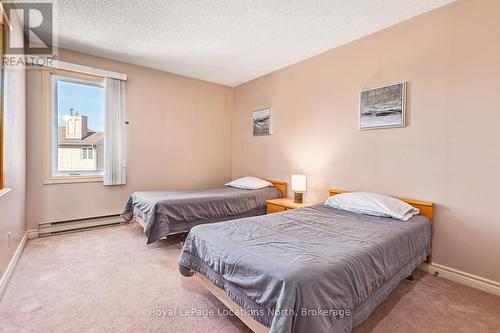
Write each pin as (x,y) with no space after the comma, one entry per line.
(8,240)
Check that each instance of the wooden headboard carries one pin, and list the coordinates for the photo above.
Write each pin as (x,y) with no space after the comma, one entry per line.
(426,209)
(280,186)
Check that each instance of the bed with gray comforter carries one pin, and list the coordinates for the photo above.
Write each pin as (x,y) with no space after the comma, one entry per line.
(316,269)
(167,212)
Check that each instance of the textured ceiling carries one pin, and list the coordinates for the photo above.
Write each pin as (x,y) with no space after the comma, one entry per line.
(224,41)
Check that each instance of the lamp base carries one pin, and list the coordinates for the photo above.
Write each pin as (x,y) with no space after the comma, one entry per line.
(298,197)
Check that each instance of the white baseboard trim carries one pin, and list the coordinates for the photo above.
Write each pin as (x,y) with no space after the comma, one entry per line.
(12,265)
(464,278)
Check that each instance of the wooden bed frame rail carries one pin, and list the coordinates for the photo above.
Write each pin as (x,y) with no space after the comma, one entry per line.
(221,295)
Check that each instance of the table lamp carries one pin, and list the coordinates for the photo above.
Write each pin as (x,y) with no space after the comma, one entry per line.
(298,187)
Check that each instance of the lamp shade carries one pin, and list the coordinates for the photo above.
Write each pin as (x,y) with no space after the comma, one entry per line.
(299,183)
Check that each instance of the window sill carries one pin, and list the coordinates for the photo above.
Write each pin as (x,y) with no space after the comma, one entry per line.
(73,179)
(4,191)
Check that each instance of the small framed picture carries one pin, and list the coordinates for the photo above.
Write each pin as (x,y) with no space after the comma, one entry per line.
(262,122)
(383,107)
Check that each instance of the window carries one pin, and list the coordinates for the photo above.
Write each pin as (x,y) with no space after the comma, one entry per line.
(87,153)
(75,127)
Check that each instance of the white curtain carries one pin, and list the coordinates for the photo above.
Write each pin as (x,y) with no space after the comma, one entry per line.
(114,136)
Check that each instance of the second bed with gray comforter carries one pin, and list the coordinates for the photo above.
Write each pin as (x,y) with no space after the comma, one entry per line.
(315,269)
(166,212)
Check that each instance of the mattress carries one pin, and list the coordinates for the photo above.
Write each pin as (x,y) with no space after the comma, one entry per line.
(166,212)
(315,269)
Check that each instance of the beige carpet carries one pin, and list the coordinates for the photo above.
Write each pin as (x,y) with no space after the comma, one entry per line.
(109,280)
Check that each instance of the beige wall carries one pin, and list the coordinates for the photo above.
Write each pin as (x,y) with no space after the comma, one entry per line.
(449,153)
(179,137)
(13,204)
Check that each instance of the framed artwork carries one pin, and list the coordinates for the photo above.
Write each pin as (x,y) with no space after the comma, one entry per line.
(383,107)
(262,122)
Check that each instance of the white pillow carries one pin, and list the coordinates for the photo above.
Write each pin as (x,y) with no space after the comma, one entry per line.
(249,183)
(373,204)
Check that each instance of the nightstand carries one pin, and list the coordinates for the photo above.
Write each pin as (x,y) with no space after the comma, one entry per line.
(280,205)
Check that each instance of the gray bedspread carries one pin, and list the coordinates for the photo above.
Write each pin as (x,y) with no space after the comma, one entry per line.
(316,269)
(166,212)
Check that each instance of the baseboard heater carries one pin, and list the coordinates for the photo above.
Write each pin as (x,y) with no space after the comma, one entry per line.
(52,228)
